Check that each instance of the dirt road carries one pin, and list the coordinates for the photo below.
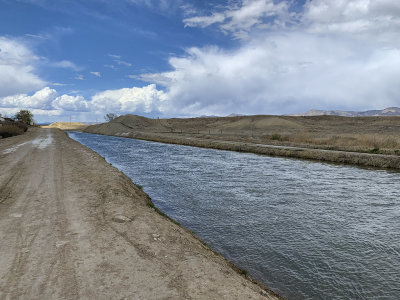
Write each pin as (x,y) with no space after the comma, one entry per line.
(74,227)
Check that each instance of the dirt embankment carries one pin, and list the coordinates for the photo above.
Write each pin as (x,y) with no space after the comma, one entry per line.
(74,227)
(66,125)
(255,134)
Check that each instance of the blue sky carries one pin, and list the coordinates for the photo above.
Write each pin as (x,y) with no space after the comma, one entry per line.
(82,59)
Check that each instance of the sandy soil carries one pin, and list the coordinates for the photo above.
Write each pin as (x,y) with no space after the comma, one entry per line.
(66,125)
(74,227)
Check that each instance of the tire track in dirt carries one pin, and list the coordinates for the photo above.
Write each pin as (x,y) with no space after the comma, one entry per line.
(24,238)
(8,186)
(69,287)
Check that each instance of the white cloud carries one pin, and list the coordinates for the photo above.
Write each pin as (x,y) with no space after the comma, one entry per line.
(245,16)
(366,18)
(146,99)
(270,75)
(118,60)
(164,6)
(79,77)
(10,112)
(112,67)
(17,68)
(97,74)
(122,62)
(66,64)
(114,56)
(341,54)
(129,100)
(46,99)
(70,103)
(36,36)
(362,17)
(204,21)
(138,100)
(40,100)
(329,55)
(59,84)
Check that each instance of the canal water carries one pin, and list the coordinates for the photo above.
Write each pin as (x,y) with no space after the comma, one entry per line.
(307,230)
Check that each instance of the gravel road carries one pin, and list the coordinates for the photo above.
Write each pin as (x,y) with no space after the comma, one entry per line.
(74,227)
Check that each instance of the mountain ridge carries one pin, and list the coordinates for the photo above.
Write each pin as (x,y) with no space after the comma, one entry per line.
(389,111)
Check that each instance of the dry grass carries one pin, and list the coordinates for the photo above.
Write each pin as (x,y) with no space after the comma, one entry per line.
(355,134)
(373,143)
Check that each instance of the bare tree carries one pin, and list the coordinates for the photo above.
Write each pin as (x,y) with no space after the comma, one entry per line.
(110,116)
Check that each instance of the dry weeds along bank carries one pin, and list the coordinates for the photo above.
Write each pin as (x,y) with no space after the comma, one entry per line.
(334,156)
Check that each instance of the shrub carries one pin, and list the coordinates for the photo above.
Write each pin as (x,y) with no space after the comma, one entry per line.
(276,137)
(24,116)
(110,116)
(374,151)
(21,126)
(10,130)
(243,272)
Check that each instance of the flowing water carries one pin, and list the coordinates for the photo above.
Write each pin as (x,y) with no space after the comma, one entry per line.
(307,230)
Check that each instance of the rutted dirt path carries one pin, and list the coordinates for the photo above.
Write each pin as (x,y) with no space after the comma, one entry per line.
(74,227)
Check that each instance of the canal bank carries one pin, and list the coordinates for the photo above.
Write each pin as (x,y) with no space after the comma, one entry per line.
(308,230)
(333,156)
(74,227)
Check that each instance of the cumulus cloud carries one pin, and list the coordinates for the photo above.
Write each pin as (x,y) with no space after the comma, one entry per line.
(70,103)
(45,99)
(129,100)
(269,75)
(328,55)
(331,57)
(47,102)
(17,68)
(40,100)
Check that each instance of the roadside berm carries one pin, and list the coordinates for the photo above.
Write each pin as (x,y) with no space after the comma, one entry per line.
(74,227)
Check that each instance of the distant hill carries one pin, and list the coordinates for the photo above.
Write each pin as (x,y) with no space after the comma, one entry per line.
(66,125)
(228,116)
(390,111)
(235,115)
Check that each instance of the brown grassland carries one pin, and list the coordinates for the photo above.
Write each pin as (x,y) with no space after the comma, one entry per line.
(365,141)
(356,134)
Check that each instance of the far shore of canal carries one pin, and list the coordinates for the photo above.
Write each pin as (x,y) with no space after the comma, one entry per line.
(332,156)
